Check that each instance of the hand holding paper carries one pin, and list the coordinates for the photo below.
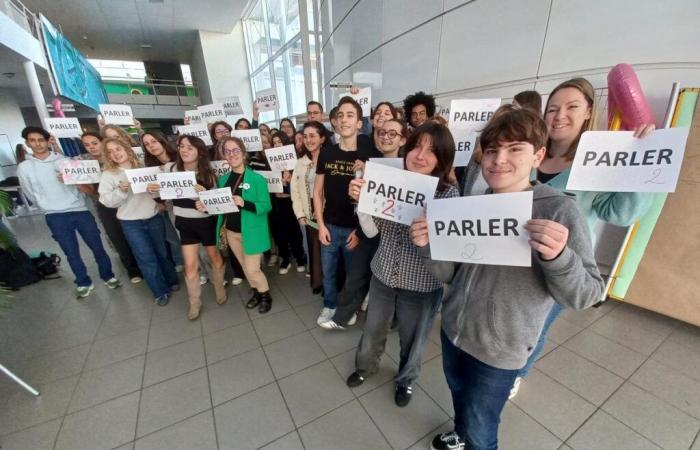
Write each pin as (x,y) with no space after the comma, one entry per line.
(547,237)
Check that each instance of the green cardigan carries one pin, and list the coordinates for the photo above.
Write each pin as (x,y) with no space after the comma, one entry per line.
(254,226)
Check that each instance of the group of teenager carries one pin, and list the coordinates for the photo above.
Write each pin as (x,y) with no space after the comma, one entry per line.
(494,319)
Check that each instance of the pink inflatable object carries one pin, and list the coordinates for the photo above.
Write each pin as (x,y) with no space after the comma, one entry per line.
(625,96)
(57,108)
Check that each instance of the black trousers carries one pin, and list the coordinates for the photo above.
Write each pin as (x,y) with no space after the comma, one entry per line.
(357,281)
(286,232)
(113,228)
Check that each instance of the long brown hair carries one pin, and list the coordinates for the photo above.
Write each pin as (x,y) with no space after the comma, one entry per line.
(123,135)
(213,126)
(109,164)
(443,148)
(205,176)
(150,160)
(584,87)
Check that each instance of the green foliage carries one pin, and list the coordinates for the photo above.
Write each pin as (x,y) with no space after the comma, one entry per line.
(6,241)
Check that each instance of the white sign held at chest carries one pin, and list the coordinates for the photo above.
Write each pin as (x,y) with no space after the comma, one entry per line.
(80,171)
(212,113)
(199,130)
(282,158)
(218,201)
(232,105)
(395,195)
(396,163)
(139,179)
(616,161)
(251,139)
(472,114)
(175,185)
(274,181)
(220,168)
(364,98)
(266,100)
(481,229)
(193,116)
(117,114)
(465,141)
(63,127)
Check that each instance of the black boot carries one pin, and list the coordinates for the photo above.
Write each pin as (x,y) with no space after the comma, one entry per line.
(254,300)
(265,302)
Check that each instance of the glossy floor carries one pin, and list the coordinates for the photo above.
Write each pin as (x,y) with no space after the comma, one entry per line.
(115,371)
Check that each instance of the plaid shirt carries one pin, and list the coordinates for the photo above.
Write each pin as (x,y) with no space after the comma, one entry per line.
(396,262)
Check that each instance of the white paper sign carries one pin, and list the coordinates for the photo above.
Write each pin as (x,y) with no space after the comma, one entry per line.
(266,100)
(177,185)
(465,141)
(80,171)
(615,161)
(472,114)
(481,229)
(138,151)
(396,163)
(232,105)
(212,113)
(251,139)
(198,129)
(364,98)
(194,116)
(117,114)
(274,181)
(443,111)
(396,195)
(218,201)
(63,127)
(282,158)
(220,168)
(139,179)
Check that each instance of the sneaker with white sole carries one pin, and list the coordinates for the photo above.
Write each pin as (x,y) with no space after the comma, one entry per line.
(365,303)
(330,324)
(516,387)
(113,283)
(203,280)
(84,291)
(136,280)
(301,268)
(284,268)
(326,315)
(236,281)
(447,441)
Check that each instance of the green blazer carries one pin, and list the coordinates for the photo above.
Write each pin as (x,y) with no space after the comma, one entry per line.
(254,226)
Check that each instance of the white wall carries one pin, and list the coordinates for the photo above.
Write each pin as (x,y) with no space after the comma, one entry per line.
(220,67)
(457,48)
(11,124)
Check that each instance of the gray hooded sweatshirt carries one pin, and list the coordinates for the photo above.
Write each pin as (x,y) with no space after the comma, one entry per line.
(496,313)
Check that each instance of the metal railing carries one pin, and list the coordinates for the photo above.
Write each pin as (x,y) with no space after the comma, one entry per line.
(20,14)
(152,92)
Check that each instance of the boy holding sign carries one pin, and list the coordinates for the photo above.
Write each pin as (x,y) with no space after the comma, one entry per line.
(487,339)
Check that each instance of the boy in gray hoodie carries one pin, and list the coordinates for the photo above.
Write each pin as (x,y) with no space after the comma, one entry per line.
(492,315)
(65,210)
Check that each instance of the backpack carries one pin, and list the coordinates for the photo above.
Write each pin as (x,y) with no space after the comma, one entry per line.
(47,265)
(16,269)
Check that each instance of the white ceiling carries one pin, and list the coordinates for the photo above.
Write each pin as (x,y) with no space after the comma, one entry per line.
(115,29)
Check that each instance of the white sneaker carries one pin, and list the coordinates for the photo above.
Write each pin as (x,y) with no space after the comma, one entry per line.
(136,280)
(203,280)
(353,320)
(284,270)
(516,387)
(330,324)
(326,315)
(301,269)
(365,303)
(236,281)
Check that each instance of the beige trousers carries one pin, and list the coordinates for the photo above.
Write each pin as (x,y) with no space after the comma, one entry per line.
(249,263)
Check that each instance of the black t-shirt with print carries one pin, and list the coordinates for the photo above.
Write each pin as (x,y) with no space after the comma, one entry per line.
(336,167)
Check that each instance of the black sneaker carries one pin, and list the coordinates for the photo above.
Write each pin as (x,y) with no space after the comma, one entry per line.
(402,395)
(355,379)
(447,441)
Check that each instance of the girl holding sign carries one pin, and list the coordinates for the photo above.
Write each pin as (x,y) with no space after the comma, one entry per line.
(196,227)
(138,215)
(571,110)
(316,138)
(400,283)
(246,231)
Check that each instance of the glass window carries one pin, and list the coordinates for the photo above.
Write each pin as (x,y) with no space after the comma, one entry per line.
(283,19)
(119,70)
(255,37)
(289,77)
(260,81)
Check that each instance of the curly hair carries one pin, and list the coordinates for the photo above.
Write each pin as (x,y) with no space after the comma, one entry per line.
(419,98)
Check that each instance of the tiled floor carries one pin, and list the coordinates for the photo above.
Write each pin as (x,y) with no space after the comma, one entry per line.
(117,372)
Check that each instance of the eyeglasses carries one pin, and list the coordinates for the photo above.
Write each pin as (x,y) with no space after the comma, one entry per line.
(221,131)
(391,134)
(232,151)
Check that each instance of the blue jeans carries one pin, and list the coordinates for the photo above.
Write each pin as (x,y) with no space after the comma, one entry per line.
(63,228)
(479,393)
(173,240)
(329,262)
(551,317)
(147,241)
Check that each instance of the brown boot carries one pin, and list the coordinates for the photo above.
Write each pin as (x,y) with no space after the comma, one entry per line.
(194,290)
(217,278)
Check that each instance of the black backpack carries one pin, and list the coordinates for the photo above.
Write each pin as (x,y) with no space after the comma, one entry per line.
(47,265)
(16,269)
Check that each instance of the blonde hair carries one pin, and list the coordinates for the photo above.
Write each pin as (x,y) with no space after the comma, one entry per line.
(123,135)
(109,164)
(586,88)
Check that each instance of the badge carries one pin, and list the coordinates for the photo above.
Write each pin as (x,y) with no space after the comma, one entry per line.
(245,186)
